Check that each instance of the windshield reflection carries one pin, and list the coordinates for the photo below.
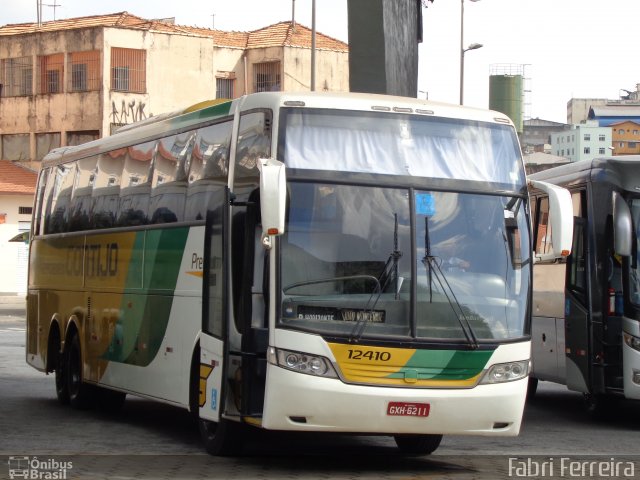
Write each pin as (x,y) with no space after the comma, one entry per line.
(347,264)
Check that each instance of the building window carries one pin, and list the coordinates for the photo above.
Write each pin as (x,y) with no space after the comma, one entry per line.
(601,138)
(16,77)
(266,77)
(633,144)
(621,131)
(621,144)
(85,71)
(128,70)
(50,71)
(587,137)
(601,151)
(15,147)
(225,87)
(587,150)
(25,210)
(84,136)
(635,132)
(45,142)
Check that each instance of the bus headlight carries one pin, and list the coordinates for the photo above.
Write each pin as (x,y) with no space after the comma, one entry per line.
(302,362)
(506,372)
(633,342)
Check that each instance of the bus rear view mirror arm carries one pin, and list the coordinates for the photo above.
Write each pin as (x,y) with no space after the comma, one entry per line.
(273,198)
(622,226)
(560,217)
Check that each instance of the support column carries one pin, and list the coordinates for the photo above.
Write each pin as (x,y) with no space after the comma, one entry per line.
(383,46)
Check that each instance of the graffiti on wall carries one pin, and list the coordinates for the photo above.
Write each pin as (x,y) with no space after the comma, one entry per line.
(128,113)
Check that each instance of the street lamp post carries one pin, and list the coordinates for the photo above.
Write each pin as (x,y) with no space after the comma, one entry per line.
(473,46)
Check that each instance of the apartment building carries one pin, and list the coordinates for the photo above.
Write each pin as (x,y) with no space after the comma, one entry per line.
(69,81)
(582,142)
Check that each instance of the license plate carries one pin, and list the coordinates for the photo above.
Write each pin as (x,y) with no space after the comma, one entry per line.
(408,409)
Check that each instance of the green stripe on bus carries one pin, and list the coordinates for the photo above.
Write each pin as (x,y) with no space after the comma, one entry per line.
(143,323)
(444,364)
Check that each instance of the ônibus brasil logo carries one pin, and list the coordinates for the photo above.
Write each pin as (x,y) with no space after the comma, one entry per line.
(37,469)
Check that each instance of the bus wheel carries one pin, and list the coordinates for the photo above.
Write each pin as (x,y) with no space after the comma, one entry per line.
(62,389)
(223,438)
(418,444)
(79,392)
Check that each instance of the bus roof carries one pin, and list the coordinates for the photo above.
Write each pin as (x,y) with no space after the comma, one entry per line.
(205,112)
(622,170)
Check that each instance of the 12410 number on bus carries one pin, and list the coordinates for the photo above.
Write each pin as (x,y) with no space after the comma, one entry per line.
(371,355)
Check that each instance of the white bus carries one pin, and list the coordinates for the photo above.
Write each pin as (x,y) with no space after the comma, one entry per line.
(586,312)
(292,261)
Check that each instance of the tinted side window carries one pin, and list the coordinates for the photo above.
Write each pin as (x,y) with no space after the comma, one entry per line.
(210,157)
(136,184)
(208,169)
(254,141)
(38,214)
(105,195)
(169,183)
(85,175)
(60,198)
(577,278)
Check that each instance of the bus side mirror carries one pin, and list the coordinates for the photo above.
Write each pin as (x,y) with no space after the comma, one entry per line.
(622,226)
(561,219)
(273,198)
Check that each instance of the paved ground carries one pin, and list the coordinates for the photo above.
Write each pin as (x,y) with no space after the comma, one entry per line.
(150,440)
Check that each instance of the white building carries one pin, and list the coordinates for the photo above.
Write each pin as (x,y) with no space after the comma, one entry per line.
(17,185)
(583,141)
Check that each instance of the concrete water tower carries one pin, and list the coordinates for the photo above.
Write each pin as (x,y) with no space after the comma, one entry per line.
(506,91)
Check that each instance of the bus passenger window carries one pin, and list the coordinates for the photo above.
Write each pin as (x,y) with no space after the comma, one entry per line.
(37,227)
(85,176)
(208,168)
(169,183)
(105,195)
(61,197)
(136,185)
(254,142)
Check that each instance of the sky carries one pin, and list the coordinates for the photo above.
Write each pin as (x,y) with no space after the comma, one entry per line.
(565,48)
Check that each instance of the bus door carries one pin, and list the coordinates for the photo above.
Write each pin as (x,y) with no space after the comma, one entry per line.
(577,311)
(252,312)
(213,345)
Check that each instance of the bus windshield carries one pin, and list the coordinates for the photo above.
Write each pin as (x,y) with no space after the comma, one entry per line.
(399,144)
(354,263)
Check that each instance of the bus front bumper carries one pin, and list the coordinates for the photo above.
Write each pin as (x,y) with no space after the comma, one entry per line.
(295,401)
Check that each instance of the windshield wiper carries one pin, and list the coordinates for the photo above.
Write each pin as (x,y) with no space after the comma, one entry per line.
(389,271)
(433,270)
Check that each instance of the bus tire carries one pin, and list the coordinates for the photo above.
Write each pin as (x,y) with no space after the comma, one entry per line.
(58,364)
(223,438)
(418,444)
(62,390)
(79,392)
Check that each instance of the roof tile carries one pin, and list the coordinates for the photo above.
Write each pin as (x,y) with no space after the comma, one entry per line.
(277,35)
(16,179)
